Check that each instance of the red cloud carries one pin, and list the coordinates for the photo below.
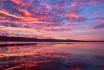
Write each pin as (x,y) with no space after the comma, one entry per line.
(21,2)
(74,4)
(72,14)
(25,12)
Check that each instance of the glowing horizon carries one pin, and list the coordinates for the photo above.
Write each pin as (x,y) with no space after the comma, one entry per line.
(54,19)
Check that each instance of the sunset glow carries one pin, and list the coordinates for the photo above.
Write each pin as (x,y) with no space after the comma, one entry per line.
(54,19)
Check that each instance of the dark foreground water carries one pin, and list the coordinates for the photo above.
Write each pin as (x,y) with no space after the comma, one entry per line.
(52,56)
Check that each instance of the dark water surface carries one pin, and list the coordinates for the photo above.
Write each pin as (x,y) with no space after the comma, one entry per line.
(52,56)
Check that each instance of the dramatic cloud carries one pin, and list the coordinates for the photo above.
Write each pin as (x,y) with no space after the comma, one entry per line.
(50,18)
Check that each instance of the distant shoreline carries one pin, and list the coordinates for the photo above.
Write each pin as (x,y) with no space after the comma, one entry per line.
(23,39)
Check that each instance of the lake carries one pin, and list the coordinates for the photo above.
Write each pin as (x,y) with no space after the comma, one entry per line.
(52,56)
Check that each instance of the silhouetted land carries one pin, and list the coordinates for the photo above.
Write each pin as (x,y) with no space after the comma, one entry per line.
(23,39)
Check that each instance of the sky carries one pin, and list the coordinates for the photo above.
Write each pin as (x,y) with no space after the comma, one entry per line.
(53,19)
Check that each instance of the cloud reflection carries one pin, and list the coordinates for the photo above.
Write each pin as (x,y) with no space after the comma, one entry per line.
(53,56)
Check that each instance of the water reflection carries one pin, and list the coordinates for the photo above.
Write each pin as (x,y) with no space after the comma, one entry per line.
(52,56)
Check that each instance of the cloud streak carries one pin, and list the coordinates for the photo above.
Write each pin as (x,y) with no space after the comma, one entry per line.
(47,17)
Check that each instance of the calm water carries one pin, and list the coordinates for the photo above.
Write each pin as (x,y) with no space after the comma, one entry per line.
(52,56)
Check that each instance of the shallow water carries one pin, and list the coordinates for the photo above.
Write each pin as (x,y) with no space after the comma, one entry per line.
(52,56)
